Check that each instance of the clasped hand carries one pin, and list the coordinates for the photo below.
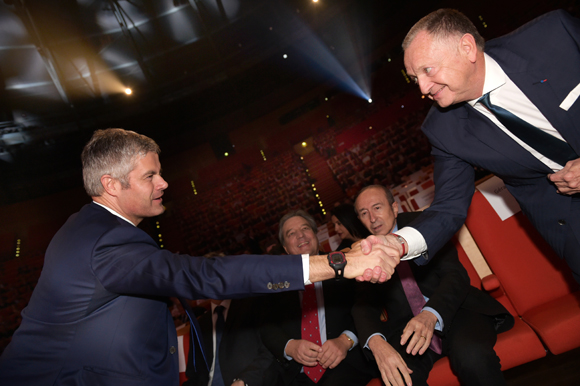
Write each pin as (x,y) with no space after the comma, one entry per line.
(567,180)
(329,355)
(385,253)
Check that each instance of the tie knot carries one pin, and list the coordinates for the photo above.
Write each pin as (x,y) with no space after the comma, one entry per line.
(484,100)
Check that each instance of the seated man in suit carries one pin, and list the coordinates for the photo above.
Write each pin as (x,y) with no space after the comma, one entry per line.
(231,330)
(448,317)
(330,354)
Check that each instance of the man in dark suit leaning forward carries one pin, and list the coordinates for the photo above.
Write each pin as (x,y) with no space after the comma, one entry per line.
(514,110)
(98,314)
(452,318)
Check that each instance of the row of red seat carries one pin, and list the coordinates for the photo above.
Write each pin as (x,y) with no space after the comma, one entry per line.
(529,279)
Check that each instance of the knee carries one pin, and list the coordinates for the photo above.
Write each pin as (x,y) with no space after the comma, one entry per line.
(471,360)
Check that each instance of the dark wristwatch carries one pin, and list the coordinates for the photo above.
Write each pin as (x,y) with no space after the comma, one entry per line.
(337,261)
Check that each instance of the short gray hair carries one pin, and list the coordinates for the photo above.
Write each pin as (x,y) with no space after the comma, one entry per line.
(114,152)
(442,24)
(296,213)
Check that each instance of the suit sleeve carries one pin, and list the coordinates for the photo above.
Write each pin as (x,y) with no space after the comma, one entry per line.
(453,285)
(126,260)
(366,313)
(454,188)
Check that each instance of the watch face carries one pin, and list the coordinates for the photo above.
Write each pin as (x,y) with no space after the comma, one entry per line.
(337,258)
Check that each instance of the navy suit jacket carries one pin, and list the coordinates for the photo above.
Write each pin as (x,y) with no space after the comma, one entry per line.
(461,137)
(282,321)
(444,281)
(98,315)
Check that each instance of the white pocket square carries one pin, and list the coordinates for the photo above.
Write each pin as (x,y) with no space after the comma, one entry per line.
(571,98)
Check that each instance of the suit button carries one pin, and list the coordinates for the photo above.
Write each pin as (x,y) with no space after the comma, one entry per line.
(562,222)
(172,350)
(280,285)
(275,286)
(286,284)
(269,286)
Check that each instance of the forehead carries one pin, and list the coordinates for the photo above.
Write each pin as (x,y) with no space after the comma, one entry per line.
(148,163)
(370,197)
(425,51)
(294,223)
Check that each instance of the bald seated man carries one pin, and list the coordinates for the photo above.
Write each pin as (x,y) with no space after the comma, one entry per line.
(461,319)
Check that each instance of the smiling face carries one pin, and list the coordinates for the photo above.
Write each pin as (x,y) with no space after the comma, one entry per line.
(299,238)
(448,70)
(143,196)
(375,212)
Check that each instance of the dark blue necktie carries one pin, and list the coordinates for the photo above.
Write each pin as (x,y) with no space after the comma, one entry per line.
(219,330)
(546,144)
(194,331)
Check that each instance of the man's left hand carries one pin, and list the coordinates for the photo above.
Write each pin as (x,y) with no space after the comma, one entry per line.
(239,382)
(420,330)
(333,352)
(567,180)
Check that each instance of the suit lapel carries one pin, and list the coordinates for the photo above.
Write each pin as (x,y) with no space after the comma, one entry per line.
(493,137)
(542,94)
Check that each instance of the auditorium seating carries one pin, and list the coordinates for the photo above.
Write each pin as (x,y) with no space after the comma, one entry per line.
(529,279)
(536,280)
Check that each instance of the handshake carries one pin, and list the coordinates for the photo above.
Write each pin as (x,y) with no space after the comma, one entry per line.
(373,259)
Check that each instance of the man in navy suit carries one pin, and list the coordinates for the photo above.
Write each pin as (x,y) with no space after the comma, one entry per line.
(465,319)
(534,73)
(98,314)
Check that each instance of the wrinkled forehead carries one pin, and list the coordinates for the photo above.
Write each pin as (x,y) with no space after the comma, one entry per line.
(427,48)
(369,198)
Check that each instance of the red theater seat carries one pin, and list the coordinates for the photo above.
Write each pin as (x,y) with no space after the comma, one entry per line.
(537,282)
(514,347)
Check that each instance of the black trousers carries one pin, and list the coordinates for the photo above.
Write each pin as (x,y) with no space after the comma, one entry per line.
(469,346)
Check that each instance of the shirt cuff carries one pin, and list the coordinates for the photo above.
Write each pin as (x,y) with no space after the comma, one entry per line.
(306,269)
(288,357)
(369,339)
(415,242)
(352,336)
(439,325)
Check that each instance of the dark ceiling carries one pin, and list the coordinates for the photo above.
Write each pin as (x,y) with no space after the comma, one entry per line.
(64,65)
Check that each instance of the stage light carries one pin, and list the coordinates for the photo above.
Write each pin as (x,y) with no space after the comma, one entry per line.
(370,100)
(128,91)
(226,154)
(304,144)
(285,56)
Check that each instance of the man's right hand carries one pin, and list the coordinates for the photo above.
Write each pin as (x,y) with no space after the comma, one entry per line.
(388,240)
(303,351)
(360,261)
(392,366)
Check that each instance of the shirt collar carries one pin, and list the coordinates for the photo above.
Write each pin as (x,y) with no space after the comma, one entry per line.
(113,212)
(495,77)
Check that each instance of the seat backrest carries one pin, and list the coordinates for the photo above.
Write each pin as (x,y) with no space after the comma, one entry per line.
(527,267)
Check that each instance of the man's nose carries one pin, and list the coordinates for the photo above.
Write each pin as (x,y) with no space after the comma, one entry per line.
(424,85)
(162,185)
(372,217)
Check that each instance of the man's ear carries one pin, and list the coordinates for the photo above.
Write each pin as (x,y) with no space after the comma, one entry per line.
(110,184)
(395,207)
(468,47)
